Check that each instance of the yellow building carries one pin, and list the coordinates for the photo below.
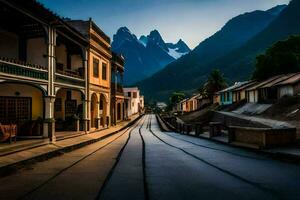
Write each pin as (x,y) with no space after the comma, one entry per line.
(99,73)
(43,67)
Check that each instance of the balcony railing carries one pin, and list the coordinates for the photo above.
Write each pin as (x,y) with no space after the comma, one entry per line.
(20,68)
(74,74)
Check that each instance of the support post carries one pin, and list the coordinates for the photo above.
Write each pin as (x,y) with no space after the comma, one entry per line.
(49,122)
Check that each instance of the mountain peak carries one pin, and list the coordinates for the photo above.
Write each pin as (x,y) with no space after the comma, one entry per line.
(123,29)
(154,38)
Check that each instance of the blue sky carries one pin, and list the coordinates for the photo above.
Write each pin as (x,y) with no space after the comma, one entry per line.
(190,20)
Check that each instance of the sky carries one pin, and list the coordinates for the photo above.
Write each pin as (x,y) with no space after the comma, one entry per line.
(189,20)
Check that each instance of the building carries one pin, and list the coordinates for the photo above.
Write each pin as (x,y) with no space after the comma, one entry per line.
(99,73)
(192,103)
(217,98)
(183,105)
(142,103)
(202,101)
(161,105)
(133,101)
(43,68)
(289,87)
(226,95)
(266,91)
(239,93)
(118,108)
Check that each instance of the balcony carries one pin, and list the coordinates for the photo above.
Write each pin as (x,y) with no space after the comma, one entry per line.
(23,69)
(68,76)
(117,89)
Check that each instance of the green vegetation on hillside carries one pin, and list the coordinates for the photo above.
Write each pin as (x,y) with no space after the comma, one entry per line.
(214,83)
(175,98)
(281,58)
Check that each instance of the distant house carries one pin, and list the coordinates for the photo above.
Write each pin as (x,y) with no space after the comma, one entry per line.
(161,105)
(135,102)
(226,95)
(192,103)
(289,87)
(267,90)
(184,105)
(252,93)
(217,98)
(239,93)
(202,100)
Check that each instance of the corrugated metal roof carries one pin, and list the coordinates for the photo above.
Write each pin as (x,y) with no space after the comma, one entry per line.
(292,80)
(245,86)
(236,85)
(262,83)
(278,80)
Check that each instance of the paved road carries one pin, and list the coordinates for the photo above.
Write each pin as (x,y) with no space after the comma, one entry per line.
(145,163)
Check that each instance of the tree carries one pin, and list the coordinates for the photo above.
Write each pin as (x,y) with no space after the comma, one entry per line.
(281,58)
(202,91)
(215,83)
(175,98)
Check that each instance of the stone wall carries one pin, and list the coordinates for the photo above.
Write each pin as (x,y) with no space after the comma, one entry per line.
(235,121)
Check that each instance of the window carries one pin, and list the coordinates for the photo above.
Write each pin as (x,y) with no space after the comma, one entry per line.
(70,107)
(13,109)
(135,95)
(95,67)
(104,71)
(101,104)
(129,94)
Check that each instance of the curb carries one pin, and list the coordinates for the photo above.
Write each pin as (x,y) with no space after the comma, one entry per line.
(11,168)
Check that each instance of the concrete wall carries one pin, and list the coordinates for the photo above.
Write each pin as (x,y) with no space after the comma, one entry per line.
(36,51)
(10,89)
(261,138)
(9,45)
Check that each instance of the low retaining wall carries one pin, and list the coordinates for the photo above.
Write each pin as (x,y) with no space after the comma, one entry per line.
(261,137)
(228,120)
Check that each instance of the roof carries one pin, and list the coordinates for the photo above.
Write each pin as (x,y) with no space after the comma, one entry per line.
(245,86)
(131,88)
(236,85)
(262,83)
(290,81)
(38,11)
(280,79)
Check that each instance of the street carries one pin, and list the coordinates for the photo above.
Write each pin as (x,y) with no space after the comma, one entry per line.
(142,162)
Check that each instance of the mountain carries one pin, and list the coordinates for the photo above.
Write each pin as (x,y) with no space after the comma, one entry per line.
(221,50)
(147,55)
(178,50)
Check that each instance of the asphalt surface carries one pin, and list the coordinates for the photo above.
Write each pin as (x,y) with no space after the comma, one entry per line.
(145,163)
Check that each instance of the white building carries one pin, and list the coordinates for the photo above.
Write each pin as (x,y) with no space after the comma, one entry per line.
(135,103)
